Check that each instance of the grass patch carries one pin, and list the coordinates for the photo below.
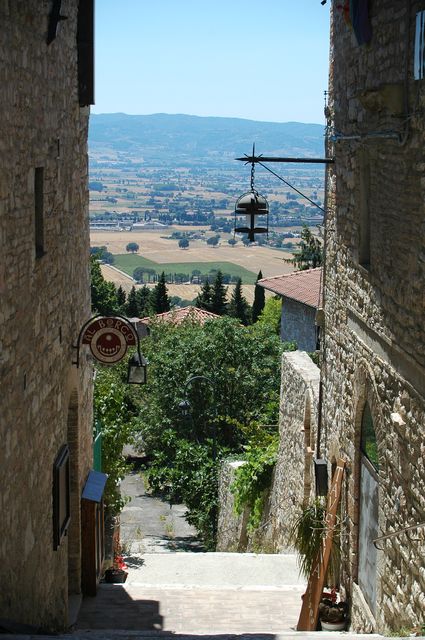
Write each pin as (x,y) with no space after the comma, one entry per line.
(129,262)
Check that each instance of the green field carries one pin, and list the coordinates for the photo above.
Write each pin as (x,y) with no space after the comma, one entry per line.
(129,262)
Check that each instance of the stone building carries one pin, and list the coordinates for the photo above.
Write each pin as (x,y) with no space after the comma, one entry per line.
(46,415)
(374,350)
(301,297)
(372,408)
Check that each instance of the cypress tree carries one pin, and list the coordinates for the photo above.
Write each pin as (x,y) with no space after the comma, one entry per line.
(143,296)
(204,297)
(218,298)
(160,301)
(259,299)
(121,298)
(238,307)
(131,308)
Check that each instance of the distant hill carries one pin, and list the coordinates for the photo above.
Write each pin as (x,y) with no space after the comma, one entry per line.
(162,137)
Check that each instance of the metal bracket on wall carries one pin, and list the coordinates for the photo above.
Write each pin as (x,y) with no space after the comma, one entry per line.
(397,533)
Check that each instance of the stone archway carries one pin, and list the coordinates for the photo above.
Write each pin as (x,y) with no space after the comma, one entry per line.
(368,422)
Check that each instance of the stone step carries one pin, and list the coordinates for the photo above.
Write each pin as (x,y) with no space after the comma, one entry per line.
(131,634)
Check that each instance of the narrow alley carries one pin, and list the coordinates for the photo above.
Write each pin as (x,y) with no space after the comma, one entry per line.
(174,586)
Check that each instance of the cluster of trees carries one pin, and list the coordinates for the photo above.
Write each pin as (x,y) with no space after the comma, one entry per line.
(213,297)
(228,408)
(241,393)
(109,299)
(102,253)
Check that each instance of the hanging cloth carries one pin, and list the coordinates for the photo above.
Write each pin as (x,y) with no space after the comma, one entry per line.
(359,14)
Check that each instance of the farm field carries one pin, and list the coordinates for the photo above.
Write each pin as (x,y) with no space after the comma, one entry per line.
(157,249)
(128,263)
(184,291)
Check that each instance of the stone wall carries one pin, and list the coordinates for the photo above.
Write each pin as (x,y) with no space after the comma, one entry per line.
(374,348)
(231,531)
(293,481)
(298,324)
(45,298)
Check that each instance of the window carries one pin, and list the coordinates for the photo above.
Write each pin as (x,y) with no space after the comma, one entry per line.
(61,496)
(85,43)
(419,62)
(368,442)
(39,211)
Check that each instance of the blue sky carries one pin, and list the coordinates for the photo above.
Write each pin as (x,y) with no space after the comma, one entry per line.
(263,60)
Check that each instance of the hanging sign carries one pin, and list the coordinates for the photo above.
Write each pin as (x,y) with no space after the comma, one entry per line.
(310,608)
(109,338)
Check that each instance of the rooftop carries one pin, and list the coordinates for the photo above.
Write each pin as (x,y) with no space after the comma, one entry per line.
(303,286)
(176,316)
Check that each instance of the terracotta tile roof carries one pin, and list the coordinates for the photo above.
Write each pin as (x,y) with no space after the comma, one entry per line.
(303,286)
(176,316)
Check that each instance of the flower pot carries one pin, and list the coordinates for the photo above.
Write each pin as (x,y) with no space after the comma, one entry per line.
(115,576)
(332,626)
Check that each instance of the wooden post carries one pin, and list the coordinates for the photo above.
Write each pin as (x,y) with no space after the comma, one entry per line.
(310,608)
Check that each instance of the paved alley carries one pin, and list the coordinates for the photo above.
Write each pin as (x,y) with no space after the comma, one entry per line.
(173,586)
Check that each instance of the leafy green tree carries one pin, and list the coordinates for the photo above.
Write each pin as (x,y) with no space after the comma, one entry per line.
(259,299)
(103,293)
(143,298)
(160,302)
(242,365)
(310,252)
(102,254)
(114,411)
(204,297)
(132,308)
(238,306)
(218,295)
(183,243)
(213,241)
(271,314)
(96,186)
(133,247)
(138,274)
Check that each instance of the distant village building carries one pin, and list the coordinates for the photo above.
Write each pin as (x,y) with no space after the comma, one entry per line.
(151,224)
(301,297)
(46,406)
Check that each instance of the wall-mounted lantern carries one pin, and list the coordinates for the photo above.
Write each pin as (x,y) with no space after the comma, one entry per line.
(251,205)
(137,367)
(109,338)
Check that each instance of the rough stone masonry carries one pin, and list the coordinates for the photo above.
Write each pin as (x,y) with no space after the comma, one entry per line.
(45,298)
(374,351)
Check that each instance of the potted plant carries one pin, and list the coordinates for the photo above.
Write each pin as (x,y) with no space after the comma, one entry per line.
(117,573)
(307,535)
(332,614)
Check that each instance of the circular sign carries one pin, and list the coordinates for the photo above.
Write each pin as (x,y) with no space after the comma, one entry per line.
(109,339)
(108,346)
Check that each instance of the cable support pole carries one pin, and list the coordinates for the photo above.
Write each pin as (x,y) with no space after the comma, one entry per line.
(259,159)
